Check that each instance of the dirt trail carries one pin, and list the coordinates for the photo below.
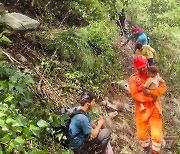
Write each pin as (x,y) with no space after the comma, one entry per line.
(124,139)
(124,125)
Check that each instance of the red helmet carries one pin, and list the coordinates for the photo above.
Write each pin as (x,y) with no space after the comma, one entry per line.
(140,62)
(137,30)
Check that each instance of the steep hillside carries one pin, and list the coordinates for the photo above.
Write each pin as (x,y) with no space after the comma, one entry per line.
(78,48)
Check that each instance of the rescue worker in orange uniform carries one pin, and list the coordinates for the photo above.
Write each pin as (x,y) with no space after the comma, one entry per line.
(148,118)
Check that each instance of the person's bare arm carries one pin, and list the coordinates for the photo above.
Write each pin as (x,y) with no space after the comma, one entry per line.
(161,79)
(96,130)
(136,94)
(146,85)
(143,88)
(158,91)
(155,57)
(93,125)
(153,52)
(155,99)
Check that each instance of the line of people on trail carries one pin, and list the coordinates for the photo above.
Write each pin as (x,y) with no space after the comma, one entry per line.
(141,45)
(145,87)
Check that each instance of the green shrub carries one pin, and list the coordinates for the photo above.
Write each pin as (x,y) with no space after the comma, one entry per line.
(16,128)
(72,45)
(71,12)
(14,86)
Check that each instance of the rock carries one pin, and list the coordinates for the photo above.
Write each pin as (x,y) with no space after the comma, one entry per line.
(19,21)
(2,9)
(176,121)
(21,58)
(124,85)
(113,114)
(163,143)
(126,150)
(176,106)
(26,70)
(110,105)
(109,122)
(176,101)
(117,105)
(129,107)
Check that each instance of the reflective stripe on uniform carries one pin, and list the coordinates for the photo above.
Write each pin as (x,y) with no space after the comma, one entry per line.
(157,149)
(156,146)
(144,143)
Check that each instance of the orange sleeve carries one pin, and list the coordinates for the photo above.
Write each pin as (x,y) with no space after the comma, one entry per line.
(137,93)
(159,90)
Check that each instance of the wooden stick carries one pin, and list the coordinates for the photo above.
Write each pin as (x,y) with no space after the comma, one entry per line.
(42,76)
(11,58)
(46,81)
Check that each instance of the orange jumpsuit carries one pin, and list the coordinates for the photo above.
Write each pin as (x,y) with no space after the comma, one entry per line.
(149,116)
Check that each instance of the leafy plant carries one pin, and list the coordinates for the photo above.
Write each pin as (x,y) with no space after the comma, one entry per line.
(17,126)
(14,86)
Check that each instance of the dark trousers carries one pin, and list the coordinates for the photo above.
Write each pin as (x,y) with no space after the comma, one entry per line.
(150,61)
(122,25)
(97,145)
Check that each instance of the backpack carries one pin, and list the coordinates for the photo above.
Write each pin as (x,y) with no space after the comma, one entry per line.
(63,129)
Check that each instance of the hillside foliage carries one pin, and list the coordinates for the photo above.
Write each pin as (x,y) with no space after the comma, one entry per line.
(81,34)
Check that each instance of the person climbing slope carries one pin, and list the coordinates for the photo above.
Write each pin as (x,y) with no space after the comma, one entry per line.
(147,51)
(149,118)
(137,36)
(152,83)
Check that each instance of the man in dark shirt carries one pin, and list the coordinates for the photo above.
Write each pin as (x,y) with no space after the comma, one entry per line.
(121,22)
(122,18)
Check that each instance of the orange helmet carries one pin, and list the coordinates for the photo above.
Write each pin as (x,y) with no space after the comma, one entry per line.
(140,62)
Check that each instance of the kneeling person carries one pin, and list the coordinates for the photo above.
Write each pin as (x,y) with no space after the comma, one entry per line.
(83,128)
